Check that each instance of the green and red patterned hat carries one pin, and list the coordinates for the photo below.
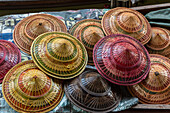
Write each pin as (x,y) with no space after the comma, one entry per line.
(27,89)
(59,55)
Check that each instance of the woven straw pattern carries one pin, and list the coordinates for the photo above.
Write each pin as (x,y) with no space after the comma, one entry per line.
(92,93)
(9,57)
(30,27)
(89,32)
(121,59)
(58,54)
(155,88)
(28,89)
(127,21)
(160,39)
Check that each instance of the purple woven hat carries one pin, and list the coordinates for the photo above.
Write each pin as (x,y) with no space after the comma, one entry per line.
(9,57)
(92,93)
(121,59)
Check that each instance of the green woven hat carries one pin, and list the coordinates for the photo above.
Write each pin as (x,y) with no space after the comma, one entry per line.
(58,54)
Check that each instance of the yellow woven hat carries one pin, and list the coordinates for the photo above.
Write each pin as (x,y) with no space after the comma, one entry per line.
(28,89)
(60,55)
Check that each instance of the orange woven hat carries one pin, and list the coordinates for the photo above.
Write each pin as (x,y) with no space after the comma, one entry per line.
(88,31)
(32,26)
(155,89)
(27,89)
(92,93)
(123,20)
(160,42)
(160,39)
(60,55)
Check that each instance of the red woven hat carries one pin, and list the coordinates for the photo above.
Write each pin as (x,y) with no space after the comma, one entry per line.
(121,59)
(155,89)
(9,57)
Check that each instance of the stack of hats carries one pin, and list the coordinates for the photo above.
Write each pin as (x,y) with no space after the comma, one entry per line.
(27,87)
(120,57)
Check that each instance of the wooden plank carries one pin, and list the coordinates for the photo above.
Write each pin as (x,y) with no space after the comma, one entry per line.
(148,8)
(145,111)
(151,106)
(6,5)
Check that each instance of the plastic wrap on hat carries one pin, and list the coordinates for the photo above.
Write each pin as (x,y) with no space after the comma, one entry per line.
(28,89)
(155,88)
(121,59)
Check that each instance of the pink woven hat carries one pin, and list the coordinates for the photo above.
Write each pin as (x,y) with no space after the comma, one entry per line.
(9,57)
(121,59)
(92,93)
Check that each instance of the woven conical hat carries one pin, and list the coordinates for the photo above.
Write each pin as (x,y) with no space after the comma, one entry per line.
(155,88)
(165,51)
(89,32)
(160,39)
(121,59)
(92,93)
(9,57)
(127,21)
(28,89)
(32,26)
(59,55)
